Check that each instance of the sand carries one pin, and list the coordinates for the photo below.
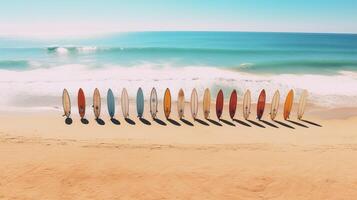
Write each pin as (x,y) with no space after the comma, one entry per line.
(43,158)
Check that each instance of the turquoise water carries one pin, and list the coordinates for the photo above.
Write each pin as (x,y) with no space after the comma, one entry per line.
(274,53)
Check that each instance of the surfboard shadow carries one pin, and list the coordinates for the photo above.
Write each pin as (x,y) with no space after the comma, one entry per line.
(84,121)
(297,123)
(68,121)
(144,121)
(310,122)
(115,121)
(186,122)
(159,121)
(269,124)
(214,122)
(227,122)
(173,122)
(284,124)
(242,123)
(129,121)
(201,122)
(255,123)
(100,121)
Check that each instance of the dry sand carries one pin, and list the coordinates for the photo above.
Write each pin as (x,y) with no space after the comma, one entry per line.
(43,158)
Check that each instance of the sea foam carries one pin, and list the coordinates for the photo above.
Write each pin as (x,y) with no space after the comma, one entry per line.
(46,84)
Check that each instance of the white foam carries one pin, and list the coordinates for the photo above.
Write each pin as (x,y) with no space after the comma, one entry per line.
(38,83)
(62,51)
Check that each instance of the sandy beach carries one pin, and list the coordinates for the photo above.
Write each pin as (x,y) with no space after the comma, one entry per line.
(44,158)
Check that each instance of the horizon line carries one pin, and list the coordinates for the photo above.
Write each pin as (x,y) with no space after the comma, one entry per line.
(90,35)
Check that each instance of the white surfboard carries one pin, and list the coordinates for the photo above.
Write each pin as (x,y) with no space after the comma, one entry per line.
(275,105)
(206,103)
(302,104)
(194,103)
(125,103)
(153,103)
(66,102)
(246,104)
(96,103)
(181,104)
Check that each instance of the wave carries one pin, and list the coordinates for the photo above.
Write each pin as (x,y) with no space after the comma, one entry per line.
(14,64)
(335,91)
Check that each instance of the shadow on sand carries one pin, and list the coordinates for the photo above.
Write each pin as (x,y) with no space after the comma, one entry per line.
(84,121)
(115,121)
(214,122)
(242,123)
(227,122)
(129,121)
(159,121)
(144,121)
(186,122)
(297,123)
(255,123)
(173,122)
(284,124)
(100,121)
(68,121)
(269,124)
(310,122)
(201,122)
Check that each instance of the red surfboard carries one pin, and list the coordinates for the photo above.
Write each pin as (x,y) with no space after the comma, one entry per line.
(233,104)
(81,103)
(219,104)
(261,104)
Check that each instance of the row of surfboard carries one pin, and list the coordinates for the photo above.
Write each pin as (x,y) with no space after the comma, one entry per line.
(181,103)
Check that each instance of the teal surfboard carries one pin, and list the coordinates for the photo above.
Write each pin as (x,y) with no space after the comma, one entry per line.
(140,102)
(111,103)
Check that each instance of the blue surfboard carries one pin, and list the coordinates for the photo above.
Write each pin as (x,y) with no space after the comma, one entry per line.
(111,103)
(140,102)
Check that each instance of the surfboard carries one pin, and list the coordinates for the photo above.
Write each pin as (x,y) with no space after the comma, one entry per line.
(274,105)
(140,103)
(125,103)
(233,104)
(288,104)
(302,104)
(96,103)
(153,103)
(261,104)
(81,103)
(111,103)
(206,103)
(167,103)
(219,104)
(181,103)
(66,102)
(194,103)
(246,104)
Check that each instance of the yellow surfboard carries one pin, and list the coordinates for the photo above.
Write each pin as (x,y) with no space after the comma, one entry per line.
(288,104)
(206,103)
(274,105)
(66,102)
(167,103)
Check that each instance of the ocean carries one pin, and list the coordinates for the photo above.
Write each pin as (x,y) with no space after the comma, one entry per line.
(35,71)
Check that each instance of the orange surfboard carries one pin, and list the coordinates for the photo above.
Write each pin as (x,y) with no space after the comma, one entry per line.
(167,103)
(233,104)
(261,104)
(81,103)
(288,104)
(219,104)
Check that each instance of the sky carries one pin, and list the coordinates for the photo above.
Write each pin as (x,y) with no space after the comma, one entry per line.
(90,17)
